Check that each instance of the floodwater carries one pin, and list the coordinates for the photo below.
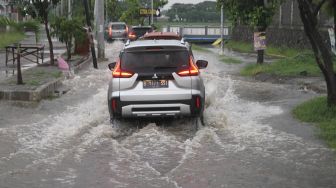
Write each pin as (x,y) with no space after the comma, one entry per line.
(249,139)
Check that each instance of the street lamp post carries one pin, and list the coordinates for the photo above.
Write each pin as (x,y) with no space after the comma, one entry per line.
(69,9)
(152,13)
(222,29)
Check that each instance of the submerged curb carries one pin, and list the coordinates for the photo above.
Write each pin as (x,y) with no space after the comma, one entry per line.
(84,64)
(44,91)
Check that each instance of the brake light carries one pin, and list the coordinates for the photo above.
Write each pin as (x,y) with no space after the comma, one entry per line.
(198,102)
(114,105)
(110,31)
(118,73)
(131,35)
(191,71)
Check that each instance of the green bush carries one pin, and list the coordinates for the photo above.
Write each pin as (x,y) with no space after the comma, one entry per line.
(4,21)
(10,38)
(31,25)
(67,30)
(317,111)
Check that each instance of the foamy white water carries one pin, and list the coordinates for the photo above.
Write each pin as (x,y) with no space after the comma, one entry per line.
(69,142)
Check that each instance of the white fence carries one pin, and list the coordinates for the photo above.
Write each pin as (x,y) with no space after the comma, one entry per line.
(195,30)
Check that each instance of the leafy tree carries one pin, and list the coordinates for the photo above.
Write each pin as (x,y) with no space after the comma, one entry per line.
(202,12)
(39,9)
(115,9)
(257,14)
(66,30)
(157,3)
(131,15)
(309,11)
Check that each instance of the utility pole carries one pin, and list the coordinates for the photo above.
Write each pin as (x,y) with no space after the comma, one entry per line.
(62,6)
(100,28)
(88,22)
(152,13)
(222,29)
(19,80)
(69,9)
(106,11)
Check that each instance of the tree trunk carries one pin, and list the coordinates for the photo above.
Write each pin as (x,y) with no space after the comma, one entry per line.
(321,51)
(51,48)
(260,59)
(68,47)
(335,21)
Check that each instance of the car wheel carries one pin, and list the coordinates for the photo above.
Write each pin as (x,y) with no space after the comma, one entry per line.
(197,123)
(115,122)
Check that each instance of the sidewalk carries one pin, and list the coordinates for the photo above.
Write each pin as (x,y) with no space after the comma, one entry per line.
(40,81)
(10,70)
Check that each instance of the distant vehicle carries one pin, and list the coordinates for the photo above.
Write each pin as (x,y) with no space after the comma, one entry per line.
(116,31)
(138,31)
(156,78)
(162,35)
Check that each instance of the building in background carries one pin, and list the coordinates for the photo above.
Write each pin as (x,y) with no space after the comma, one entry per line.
(7,10)
(286,28)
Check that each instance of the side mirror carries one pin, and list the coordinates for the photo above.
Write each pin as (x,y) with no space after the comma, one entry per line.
(112,65)
(201,64)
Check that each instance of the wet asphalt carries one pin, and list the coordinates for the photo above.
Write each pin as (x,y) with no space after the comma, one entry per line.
(250,138)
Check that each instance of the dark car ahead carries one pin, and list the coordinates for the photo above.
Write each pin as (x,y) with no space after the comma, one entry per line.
(139,31)
(162,36)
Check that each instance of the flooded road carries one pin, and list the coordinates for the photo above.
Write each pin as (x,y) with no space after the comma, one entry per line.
(250,139)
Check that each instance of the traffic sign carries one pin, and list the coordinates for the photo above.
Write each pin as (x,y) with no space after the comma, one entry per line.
(148,12)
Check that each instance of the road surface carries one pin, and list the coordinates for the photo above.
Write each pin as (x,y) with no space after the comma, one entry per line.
(250,139)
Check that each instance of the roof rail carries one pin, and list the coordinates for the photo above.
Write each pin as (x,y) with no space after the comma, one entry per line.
(128,42)
(182,41)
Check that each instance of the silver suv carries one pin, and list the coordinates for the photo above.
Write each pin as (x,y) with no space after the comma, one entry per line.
(116,30)
(156,78)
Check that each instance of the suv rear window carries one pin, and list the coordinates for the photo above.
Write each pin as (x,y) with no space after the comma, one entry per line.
(155,61)
(118,26)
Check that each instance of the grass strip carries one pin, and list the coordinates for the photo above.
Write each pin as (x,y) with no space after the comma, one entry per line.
(230,60)
(300,65)
(316,111)
(10,38)
(199,48)
(281,52)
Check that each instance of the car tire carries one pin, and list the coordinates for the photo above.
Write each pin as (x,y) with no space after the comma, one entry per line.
(115,122)
(197,123)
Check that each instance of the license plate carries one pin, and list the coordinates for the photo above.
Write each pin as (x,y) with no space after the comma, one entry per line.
(155,84)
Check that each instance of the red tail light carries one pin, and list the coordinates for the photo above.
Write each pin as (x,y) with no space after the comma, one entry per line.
(114,105)
(118,73)
(198,102)
(191,71)
(110,31)
(131,35)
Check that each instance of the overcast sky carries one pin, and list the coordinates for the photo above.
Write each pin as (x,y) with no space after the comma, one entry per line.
(171,2)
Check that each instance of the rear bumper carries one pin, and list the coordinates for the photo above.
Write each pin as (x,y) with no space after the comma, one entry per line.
(155,110)
(149,109)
